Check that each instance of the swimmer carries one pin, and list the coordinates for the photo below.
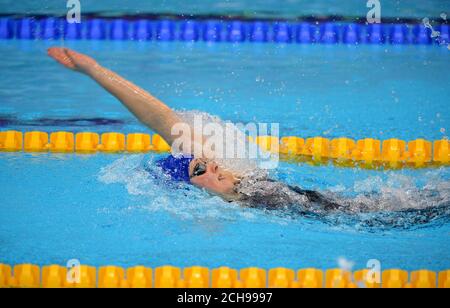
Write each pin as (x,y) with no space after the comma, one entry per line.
(208,174)
(157,116)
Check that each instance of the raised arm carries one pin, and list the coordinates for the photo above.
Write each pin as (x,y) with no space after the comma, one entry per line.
(147,108)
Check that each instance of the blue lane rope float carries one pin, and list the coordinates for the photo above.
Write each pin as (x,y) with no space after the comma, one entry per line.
(235,31)
(189,30)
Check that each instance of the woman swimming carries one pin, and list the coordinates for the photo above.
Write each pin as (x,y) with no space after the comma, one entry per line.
(158,117)
(257,190)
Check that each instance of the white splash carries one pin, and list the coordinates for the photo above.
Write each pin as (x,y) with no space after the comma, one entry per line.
(238,166)
(400,192)
(436,35)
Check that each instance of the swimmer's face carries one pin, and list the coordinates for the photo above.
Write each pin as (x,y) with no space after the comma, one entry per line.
(207,174)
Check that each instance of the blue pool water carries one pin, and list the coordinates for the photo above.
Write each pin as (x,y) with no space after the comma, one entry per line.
(103,209)
(249,8)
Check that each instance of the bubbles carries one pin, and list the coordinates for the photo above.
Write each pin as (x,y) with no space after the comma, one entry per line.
(345,265)
(259,79)
(371,184)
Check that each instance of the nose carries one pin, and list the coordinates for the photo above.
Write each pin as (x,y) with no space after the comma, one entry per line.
(213,167)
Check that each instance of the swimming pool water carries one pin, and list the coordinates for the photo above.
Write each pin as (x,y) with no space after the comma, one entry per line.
(248,8)
(103,209)
(100,210)
(354,91)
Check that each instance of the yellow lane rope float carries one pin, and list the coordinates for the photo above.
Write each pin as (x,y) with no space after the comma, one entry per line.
(82,276)
(370,153)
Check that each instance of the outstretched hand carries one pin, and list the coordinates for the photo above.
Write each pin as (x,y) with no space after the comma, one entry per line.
(72,59)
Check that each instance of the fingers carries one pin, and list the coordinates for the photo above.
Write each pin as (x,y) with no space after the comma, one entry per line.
(71,52)
(61,56)
(52,51)
(76,56)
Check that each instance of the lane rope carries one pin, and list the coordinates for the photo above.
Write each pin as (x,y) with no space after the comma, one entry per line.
(233,31)
(391,153)
(55,276)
